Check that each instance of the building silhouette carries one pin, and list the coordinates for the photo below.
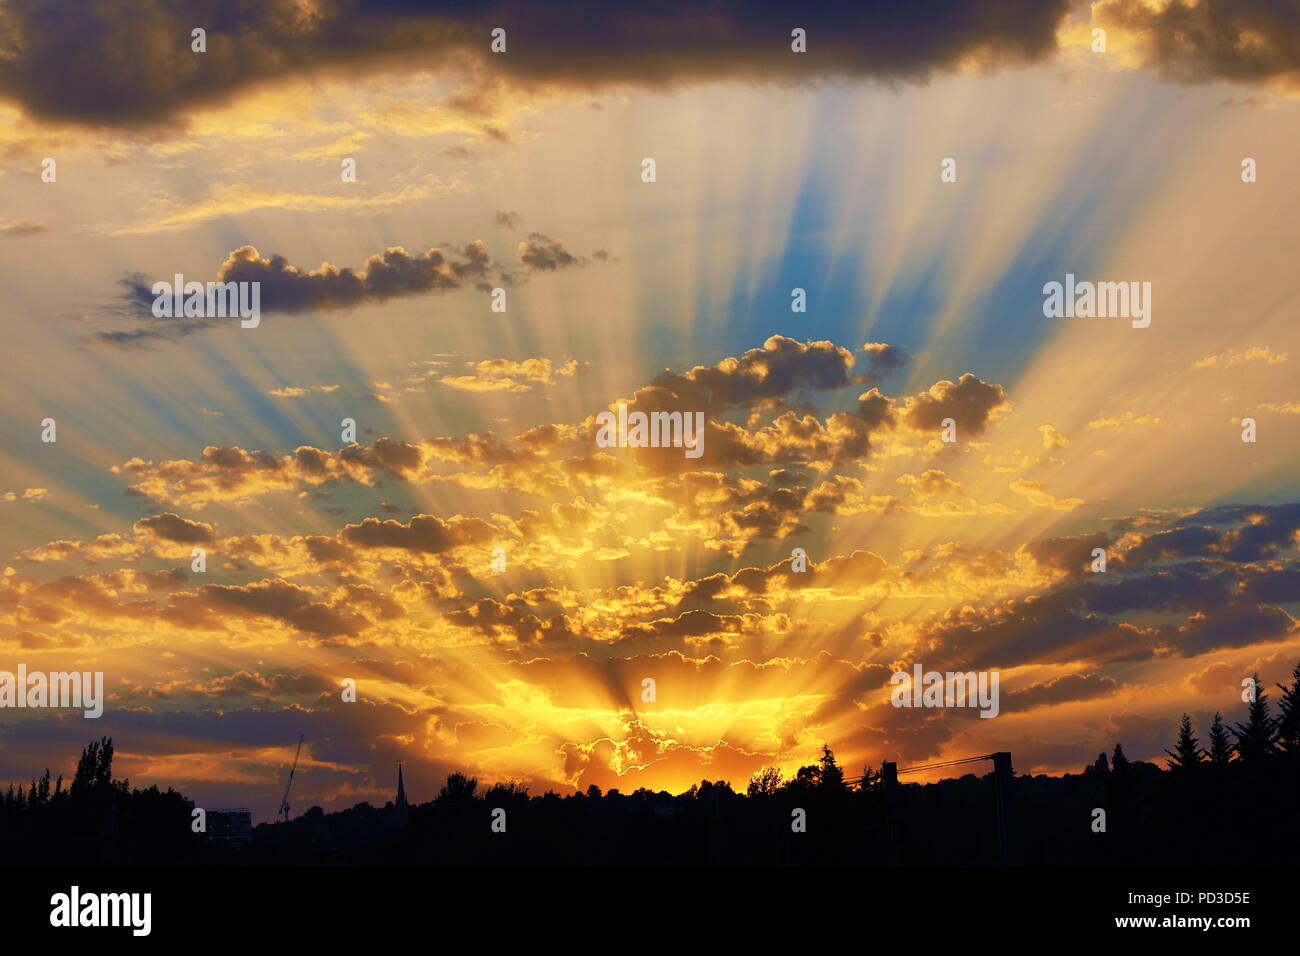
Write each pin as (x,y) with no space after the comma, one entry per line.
(231,828)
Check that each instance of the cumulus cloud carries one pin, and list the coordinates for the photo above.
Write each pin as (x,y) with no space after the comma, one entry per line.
(970,402)
(783,367)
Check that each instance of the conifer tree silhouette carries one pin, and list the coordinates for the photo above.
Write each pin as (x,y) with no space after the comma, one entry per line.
(1186,754)
(1119,796)
(829,774)
(1288,724)
(1256,737)
(1220,752)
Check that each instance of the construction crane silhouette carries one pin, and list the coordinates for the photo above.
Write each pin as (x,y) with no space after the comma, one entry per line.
(284,801)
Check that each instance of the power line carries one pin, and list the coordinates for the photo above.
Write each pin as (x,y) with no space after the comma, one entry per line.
(947,763)
(932,766)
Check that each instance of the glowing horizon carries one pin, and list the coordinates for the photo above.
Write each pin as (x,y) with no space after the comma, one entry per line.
(476,429)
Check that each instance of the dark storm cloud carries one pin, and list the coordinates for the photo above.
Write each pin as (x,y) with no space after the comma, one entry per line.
(110,63)
(1244,40)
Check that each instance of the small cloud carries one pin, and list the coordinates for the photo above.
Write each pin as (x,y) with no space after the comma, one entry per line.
(1230,358)
(20,229)
(541,253)
(293,391)
(1122,424)
(1036,493)
(882,360)
(31,494)
(504,375)
(1250,102)
(1052,438)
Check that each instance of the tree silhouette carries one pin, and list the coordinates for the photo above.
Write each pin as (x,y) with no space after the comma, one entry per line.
(829,773)
(94,776)
(1118,762)
(459,789)
(1255,738)
(764,783)
(511,792)
(1186,755)
(1220,746)
(1288,724)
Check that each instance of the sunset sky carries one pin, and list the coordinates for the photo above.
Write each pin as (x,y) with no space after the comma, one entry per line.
(775,170)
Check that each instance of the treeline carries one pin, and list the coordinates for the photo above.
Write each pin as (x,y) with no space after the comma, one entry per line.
(1209,806)
(1262,738)
(95,819)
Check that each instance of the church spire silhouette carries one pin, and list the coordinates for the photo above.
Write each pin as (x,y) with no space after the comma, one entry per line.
(401,790)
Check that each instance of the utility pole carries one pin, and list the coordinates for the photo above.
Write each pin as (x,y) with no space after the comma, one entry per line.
(1004,779)
(893,829)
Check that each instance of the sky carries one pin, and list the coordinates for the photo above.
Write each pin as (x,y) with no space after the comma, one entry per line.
(371,560)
